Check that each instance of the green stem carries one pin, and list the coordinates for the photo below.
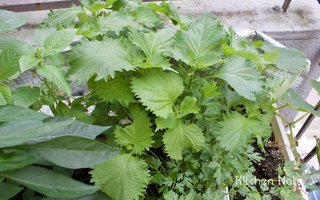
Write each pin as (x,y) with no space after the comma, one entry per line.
(280,107)
(300,118)
(52,94)
(293,145)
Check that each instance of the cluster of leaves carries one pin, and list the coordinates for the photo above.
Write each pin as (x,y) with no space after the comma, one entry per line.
(177,105)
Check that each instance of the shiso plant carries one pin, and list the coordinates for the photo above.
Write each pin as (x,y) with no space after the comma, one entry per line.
(174,106)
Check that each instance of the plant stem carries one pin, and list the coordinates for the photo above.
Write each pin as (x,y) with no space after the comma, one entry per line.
(300,118)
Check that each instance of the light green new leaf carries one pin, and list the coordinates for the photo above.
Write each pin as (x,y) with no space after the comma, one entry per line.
(5,94)
(122,177)
(58,41)
(154,46)
(158,90)
(7,191)
(16,160)
(138,134)
(182,136)
(56,76)
(187,106)
(291,60)
(27,62)
(236,130)
(199,45)
(316,85)
(49,183)
(9,59)
(26,96)
(64,17)
(117,89)
(40,35)
(73,152)
(9,21)
(116,22)
(146,16)
(170,122)
(242,76)
(101,58)
(10,113)
(298,103)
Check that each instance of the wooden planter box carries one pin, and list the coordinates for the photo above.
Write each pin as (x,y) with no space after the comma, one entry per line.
(277,124)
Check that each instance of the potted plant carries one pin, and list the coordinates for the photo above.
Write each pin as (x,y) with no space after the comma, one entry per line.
(173,110)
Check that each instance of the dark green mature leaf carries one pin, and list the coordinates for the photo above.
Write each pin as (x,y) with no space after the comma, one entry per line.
(123,177)
(10,113)
(16,160)
(34,131)
(291,60)
(6,42)
(198,46)
(236,130)
(117,89)
(116,22)
(298,103)
(181,137)
(95,196)
(73,152)
(58,41)
(242,76)
(49,183)
(101,58)
(5,94)
(26,96)
(138,134)
(9,21)
(316,85)
(7,191)
(9,59)
(155,91)
(56,76)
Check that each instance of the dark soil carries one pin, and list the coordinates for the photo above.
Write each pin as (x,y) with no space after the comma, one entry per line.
(267,168)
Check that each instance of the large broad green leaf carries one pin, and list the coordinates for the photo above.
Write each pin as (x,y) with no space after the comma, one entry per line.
(291,60)
(95,196)
(242,76)
(6,42)
(9,59)
(199,45)
(181,137)
(158,91)
(9,21)
(138,135)
(10,113)
(236,130)
(58,41)
(16,160)
(26,96)
(123,177)
(114,90)
(73,152)
(116,22)
(316,85)
(40,35)
(49,183)
(15,133)
(56,76)
(146,16)
(101,58)
(5,94)
(154,45)
(298,103)
(7,191)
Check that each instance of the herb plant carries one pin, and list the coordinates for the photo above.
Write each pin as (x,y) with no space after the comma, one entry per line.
(172,109)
